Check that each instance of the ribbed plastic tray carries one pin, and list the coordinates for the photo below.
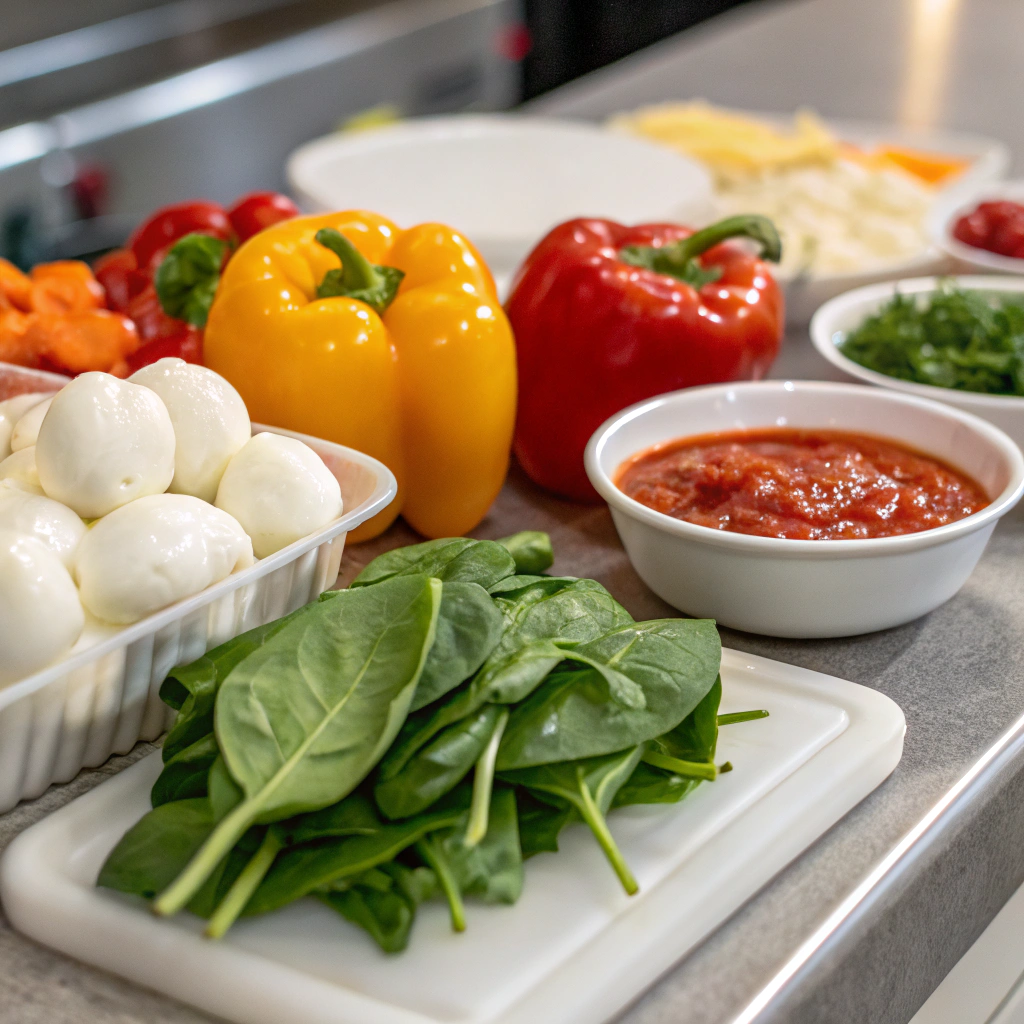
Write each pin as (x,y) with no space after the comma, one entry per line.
(102,698)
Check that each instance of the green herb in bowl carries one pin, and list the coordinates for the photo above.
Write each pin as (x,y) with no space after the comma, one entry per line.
(969,340)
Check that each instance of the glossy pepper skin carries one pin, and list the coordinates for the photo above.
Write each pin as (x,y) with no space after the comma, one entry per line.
(428,386)
(596,333)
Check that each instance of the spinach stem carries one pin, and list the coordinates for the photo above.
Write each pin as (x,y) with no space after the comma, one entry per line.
(429,851)
(592,815)
(483,783)
(244,886)
(741,716)
(206,858)
(688,769)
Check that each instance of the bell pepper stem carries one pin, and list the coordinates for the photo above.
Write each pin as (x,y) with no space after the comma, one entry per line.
(680,259)
(357,278)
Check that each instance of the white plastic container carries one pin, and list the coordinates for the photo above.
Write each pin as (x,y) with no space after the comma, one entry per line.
(104,696)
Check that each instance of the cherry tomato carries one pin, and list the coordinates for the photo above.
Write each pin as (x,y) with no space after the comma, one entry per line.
(121,278)
(259,210)
(187,344)
(153,238)
(996,226)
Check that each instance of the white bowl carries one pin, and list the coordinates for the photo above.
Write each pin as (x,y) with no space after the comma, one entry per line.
(805,588)
(952,205)
(504,180)
(846,312)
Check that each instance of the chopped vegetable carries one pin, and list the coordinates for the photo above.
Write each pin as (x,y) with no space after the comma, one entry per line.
(965,339)
(290,773)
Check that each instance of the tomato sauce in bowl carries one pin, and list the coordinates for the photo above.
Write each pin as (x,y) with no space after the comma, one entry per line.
(799,484)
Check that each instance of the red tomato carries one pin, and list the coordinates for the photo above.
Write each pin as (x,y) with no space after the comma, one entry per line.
(259,210)
(121,278)
(996,226)
(153,238)
(187,344)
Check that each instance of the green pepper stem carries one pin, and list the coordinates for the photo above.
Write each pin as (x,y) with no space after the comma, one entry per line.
(741,716)
(592,815)
(427,849)
(483,784)
(743,225)
(357,272)
(688,769)
(244,886)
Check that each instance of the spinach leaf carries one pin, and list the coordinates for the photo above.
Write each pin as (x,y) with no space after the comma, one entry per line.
(353,816)
(651,785)
(540,822)
(383,902)
(492,870)
(696,736)
(589,786)
(531,550)
(434,854)
(450,559)
(301,870)
(510,585)
(674,661)
(535,618)
(184,775)
(439,767)
(468,628)
(224,793)
(244,885)
(303,718)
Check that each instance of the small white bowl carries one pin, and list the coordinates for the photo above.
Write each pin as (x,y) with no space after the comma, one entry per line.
(846,312)
(952,205)
(805,588)
(503,179)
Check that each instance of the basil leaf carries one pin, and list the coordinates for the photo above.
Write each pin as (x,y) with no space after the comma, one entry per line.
(186,281)
(304,717)
(450,559)
(674,662)
(531,550)
(468,628)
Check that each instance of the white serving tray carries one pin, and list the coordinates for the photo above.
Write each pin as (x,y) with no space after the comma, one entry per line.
(574,950)
(103,696)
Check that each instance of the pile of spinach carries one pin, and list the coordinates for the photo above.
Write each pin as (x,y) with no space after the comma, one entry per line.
(421,733)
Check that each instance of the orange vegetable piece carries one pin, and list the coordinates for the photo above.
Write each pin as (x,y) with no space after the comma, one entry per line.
(15,287)
(15,345)
(95,339)
(932,168)
(65,286)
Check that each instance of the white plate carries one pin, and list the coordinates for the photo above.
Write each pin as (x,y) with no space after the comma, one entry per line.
(504,180)
(574,950)
(845,312)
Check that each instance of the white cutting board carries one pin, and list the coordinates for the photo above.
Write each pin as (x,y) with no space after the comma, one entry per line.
(574,950)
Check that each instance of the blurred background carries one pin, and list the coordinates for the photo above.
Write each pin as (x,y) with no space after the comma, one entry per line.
(110,108)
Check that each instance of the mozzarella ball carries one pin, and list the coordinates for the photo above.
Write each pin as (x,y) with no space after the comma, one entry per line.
(210,421)
(155,551)
(20,470)
(104,443)
(48,521)
(40,614)
(279,490)
(11,411)
(26,430)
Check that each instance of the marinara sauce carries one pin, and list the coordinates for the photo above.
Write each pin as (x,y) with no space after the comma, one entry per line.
(800,484)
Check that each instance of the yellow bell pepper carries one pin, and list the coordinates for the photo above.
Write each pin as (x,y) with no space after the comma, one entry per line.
(392,342)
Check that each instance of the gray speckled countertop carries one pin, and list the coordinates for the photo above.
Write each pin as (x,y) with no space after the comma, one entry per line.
(958,674)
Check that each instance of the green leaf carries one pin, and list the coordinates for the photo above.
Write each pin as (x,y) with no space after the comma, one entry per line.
(450,559)
(493,869)
(186,281)
(589,786)
(353,816)
(540,822)
(224,793)
(468,628)
(303,718)
(696,737)
(439,766)
(184,775)
(301,870)
(531,550)
(675,663)
(432,852)
(650,785)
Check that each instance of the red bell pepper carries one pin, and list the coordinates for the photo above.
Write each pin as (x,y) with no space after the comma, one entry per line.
(606,315)
(153,238)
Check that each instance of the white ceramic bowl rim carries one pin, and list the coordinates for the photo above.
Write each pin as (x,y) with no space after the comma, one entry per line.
(959,201)
(824,549)
(823,333)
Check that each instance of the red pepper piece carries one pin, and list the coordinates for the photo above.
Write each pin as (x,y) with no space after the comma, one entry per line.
(118,272)
(606,315)
(259,210)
